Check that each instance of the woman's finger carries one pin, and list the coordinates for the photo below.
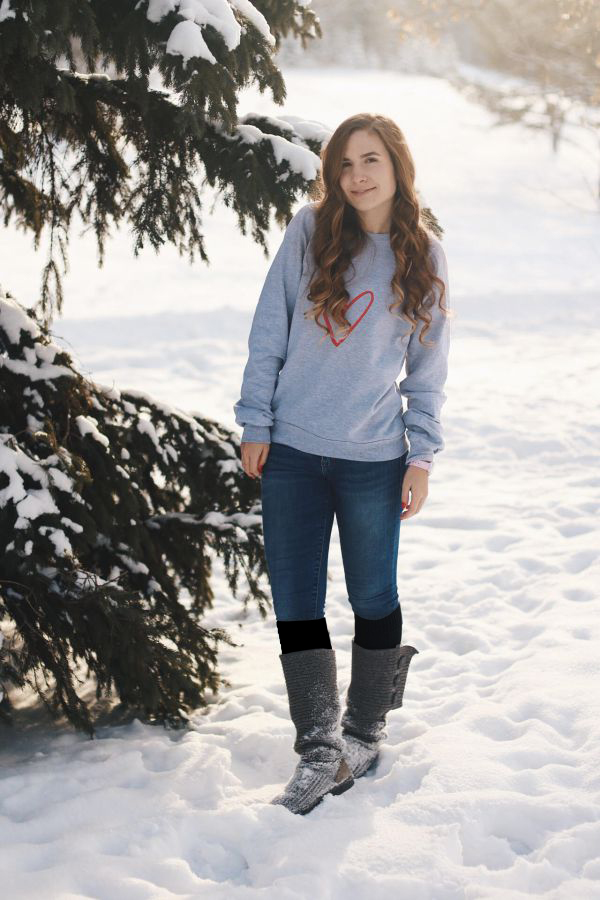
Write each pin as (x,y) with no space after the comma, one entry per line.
(263,458)
(417,502)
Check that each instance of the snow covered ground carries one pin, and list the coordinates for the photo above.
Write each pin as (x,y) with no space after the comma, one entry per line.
(489,783)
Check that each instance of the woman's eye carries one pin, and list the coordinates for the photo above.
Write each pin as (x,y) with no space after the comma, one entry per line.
(371,159)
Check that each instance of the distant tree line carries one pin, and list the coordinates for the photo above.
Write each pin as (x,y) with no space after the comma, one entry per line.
(548,51)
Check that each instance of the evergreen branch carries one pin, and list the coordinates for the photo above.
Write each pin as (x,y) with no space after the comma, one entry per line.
(96,561)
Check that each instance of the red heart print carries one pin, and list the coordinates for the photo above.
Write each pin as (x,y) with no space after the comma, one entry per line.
(354,324)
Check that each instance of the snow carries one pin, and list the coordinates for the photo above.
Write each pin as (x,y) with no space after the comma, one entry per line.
(145,426)
(74,526)
(186,38)
(133,565)
(60,479)
(87,425)
(14,320)
(39,363)
(59,539)
(250,12)
(5,11)
(31,502)
(488,785)
(300,160)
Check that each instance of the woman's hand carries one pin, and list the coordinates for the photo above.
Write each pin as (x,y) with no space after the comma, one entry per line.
(416,481)
(254,456)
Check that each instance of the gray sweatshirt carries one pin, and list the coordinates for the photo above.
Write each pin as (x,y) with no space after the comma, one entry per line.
(337,396)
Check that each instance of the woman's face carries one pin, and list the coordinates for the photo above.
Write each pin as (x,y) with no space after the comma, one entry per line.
(368,179)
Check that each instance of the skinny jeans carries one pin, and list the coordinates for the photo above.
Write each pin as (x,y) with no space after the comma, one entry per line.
(301,493)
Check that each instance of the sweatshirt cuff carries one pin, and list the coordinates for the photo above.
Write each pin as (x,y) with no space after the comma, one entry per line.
(257,434)
(420,463)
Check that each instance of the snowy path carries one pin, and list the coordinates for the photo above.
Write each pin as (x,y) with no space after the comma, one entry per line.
(489,783)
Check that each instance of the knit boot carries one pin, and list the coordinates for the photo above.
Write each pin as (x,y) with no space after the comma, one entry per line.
(311,681)
(376,687)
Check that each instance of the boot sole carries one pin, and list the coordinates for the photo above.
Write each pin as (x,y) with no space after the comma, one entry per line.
(370,770)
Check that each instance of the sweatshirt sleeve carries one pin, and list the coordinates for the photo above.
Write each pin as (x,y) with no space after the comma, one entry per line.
(268,339)
(426,373)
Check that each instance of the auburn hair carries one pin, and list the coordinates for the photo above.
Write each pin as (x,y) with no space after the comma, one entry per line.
(338,234)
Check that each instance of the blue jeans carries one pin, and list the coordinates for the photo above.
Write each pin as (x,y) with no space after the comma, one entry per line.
(300,494)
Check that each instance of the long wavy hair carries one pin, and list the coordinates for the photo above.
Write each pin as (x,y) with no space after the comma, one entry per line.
(338,233)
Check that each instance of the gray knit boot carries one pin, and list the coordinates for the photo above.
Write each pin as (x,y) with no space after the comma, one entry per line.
(376,686)
(311,681)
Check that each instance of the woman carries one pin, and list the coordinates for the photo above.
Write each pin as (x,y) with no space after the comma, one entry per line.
(355,290)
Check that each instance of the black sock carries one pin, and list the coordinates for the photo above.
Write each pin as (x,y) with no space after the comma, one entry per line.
(303,634)
(379,634)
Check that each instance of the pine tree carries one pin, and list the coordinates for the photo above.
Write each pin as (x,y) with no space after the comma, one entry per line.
(85,130)
(110,507)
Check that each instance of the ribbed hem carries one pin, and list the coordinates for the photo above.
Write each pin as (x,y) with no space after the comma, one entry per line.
(260,434)
(286,433)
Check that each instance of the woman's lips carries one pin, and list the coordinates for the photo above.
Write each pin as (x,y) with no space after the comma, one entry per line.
(360,193)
